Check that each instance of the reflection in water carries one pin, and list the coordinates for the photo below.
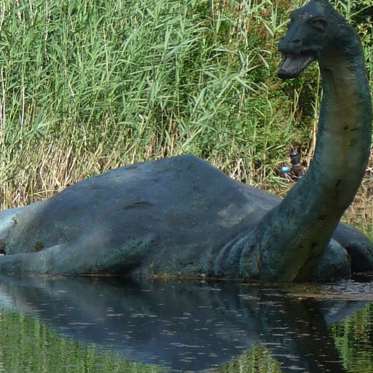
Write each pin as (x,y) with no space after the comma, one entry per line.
(184,326)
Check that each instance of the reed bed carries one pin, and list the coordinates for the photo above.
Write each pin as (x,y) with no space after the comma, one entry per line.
(86,86)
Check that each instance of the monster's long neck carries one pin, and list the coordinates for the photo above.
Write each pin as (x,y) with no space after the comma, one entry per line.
(295,234)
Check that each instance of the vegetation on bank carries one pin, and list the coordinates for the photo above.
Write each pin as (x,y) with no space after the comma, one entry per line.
(86,86)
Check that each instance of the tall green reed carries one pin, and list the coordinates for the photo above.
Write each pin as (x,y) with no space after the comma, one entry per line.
(88,86)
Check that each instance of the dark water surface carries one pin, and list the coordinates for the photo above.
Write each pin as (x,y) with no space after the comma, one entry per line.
(103,325)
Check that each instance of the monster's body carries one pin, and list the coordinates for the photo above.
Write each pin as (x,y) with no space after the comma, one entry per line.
(173,217)
(179,212)
(182,217)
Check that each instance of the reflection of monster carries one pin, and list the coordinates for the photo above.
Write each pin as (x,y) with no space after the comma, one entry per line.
(185,326)
(182,217)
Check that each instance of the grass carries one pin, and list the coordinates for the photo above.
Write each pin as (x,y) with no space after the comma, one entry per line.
(89,86)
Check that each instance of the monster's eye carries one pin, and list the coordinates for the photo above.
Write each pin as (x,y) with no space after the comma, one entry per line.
(319,23)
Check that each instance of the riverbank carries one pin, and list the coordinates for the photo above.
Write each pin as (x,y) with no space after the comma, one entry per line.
(89,86)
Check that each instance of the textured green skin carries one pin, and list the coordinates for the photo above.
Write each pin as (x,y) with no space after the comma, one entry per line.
(342,151)
(181,217)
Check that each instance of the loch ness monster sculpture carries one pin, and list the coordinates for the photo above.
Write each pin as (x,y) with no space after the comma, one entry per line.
(181,217)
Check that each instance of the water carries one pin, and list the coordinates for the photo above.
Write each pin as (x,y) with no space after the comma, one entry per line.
(103,325)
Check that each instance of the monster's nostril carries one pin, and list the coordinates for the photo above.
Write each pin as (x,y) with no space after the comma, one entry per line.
(287,45)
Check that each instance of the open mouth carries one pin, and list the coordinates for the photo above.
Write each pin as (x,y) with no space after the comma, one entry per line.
(293,64)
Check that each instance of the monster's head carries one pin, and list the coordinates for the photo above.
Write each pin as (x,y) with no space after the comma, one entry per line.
(312,29)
